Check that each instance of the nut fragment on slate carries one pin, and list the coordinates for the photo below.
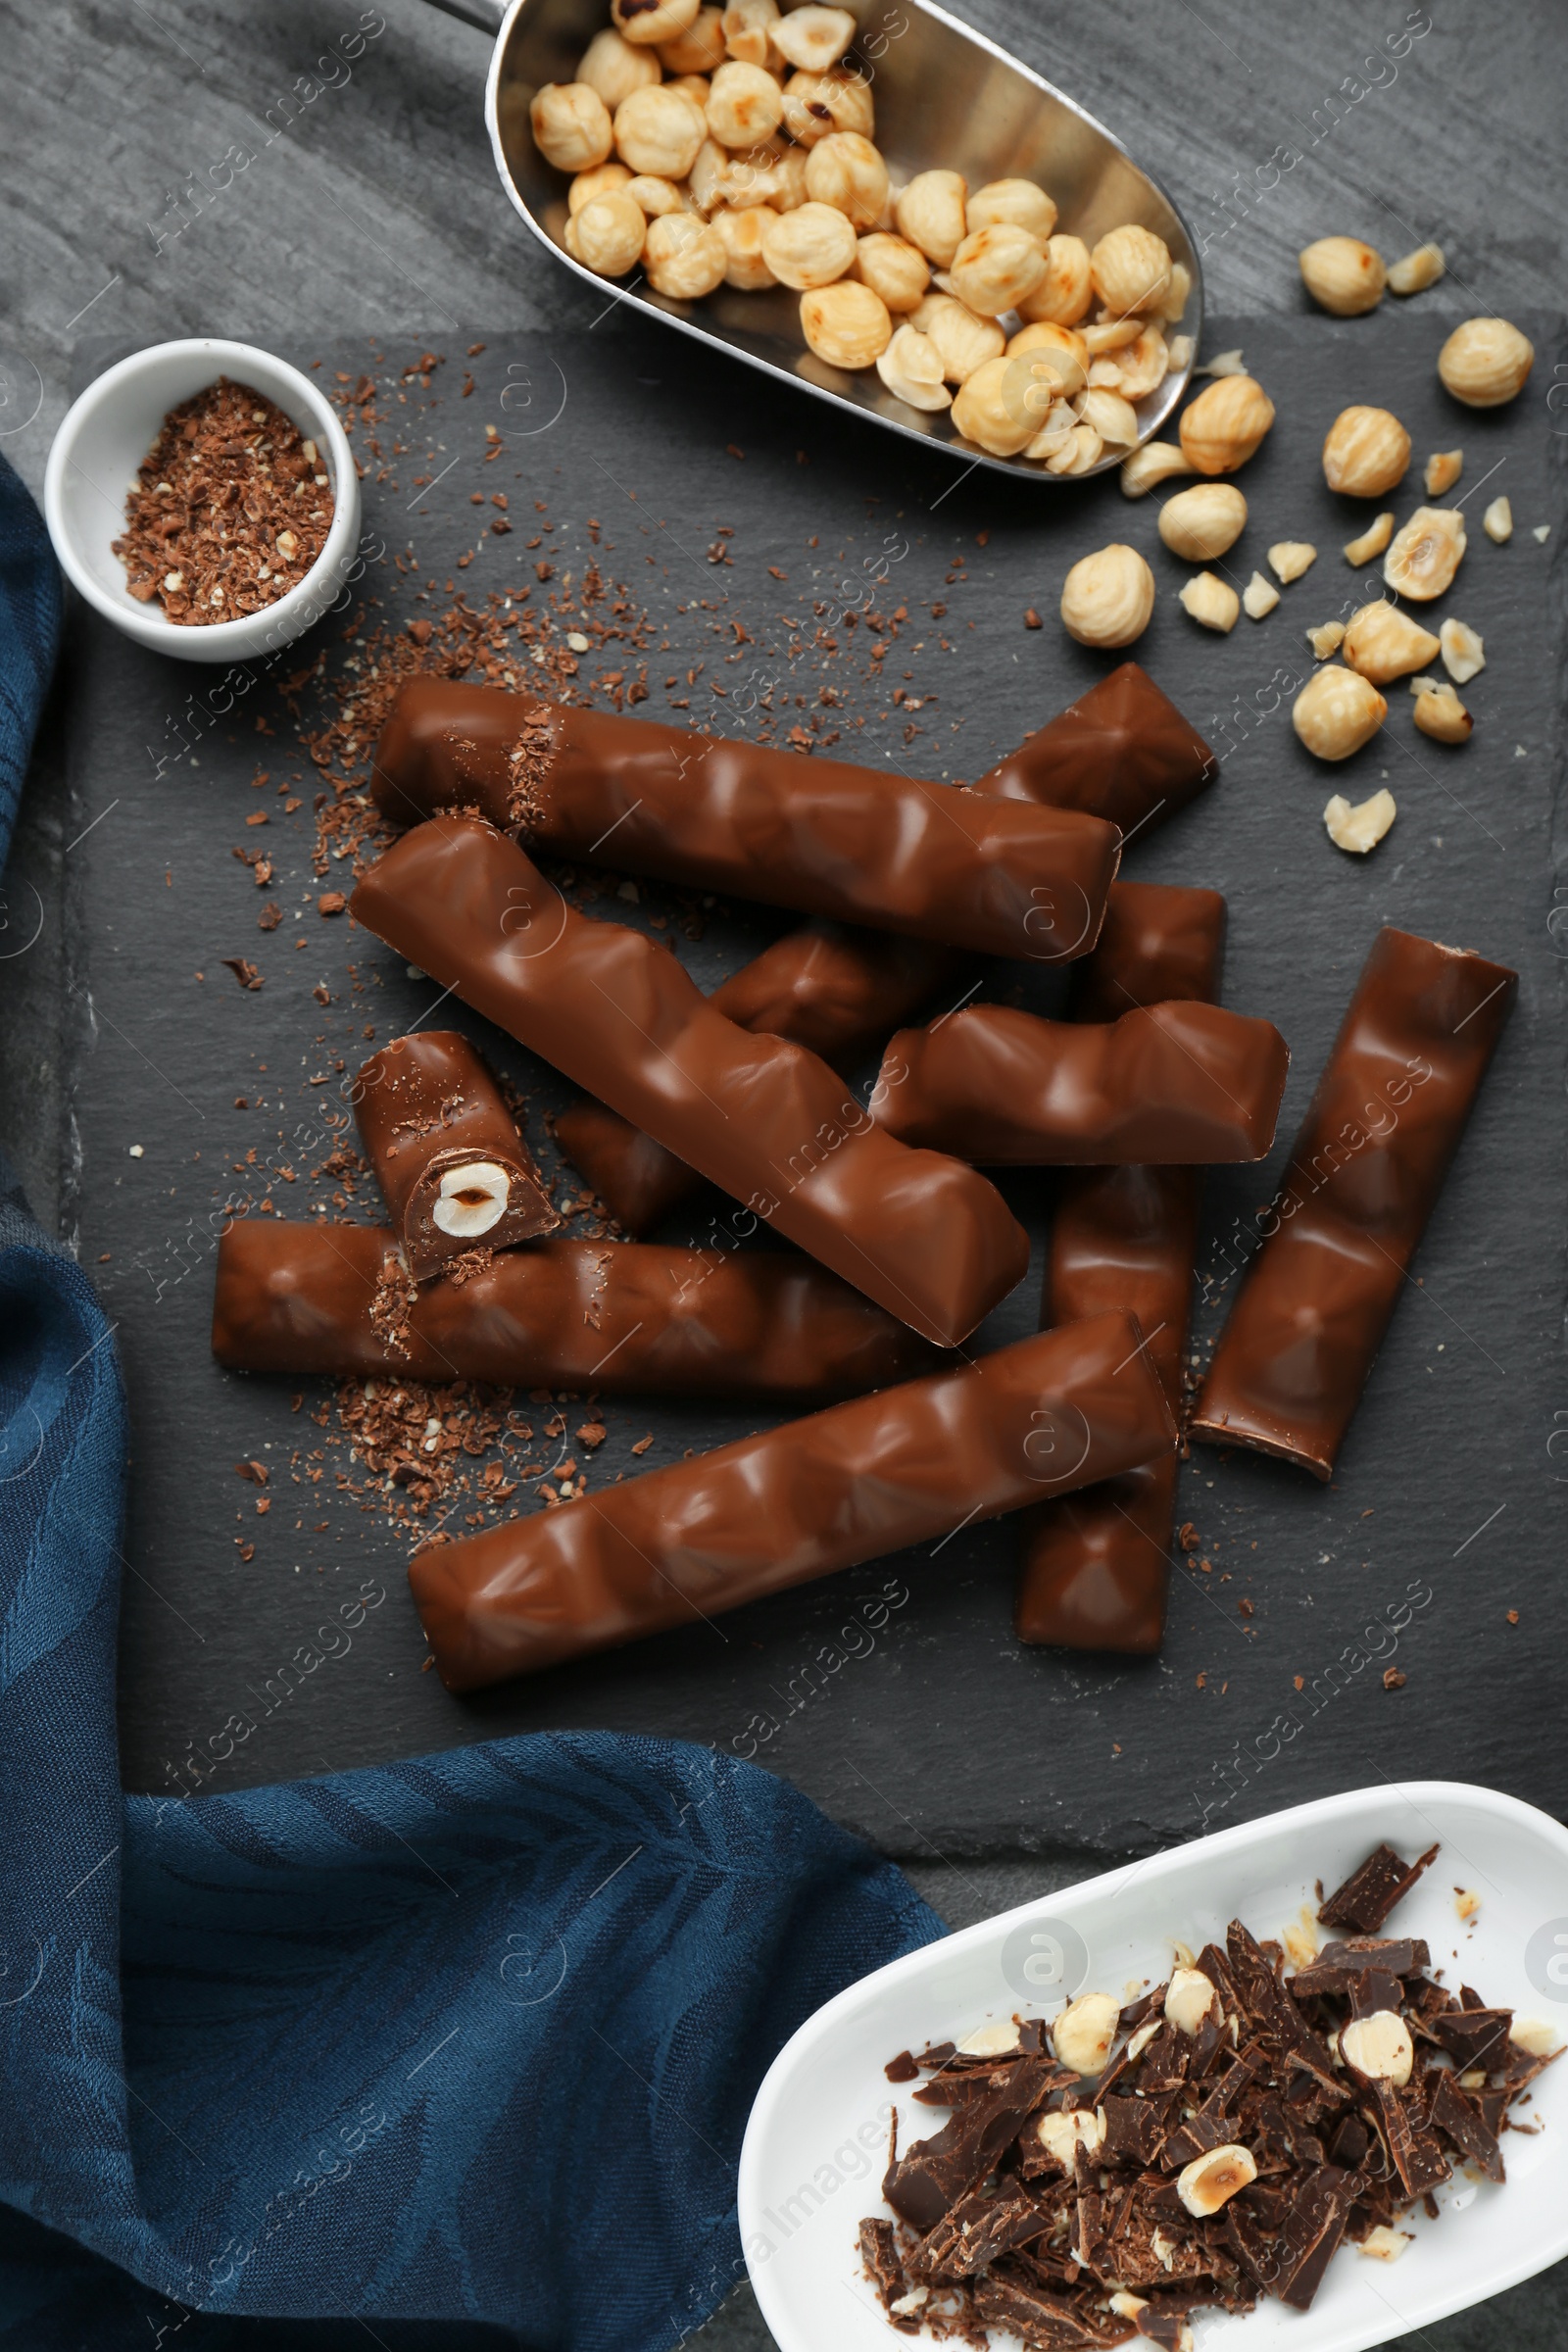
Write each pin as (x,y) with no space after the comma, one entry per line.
(1109,597)
(1359,829)
(1337,711)
(1290,558)
(1083,2033)
(1342,274)
(1496,521)
(1415,271)
(1365,452)
(1200,524)
(1326,639)
(1485,363)
(1226,424)
(1259,596)
(1373,540)
(1425,554)
(1464,651)
(1442,716)
(1211,601)
(1442,470)
(1383,642)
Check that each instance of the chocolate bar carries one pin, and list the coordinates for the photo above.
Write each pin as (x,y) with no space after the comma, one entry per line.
(835,990)
(1363,1178)
(865,844)
(681,1546)
(620,1317)
(921,1234)
(1096,1566)
(1123,751)
(454,1171)
(1166,1084)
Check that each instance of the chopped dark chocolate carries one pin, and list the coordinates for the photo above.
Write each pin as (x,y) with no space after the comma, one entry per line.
(901,2069)
(1313,2229)
(935,2172)
(1474,2037)
(1370,1894)
(1464,2127)
(1338,1965)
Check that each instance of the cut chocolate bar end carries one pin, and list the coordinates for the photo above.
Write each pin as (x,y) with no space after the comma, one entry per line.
(1370,1894)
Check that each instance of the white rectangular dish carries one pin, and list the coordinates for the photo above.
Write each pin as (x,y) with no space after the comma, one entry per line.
(815,2144)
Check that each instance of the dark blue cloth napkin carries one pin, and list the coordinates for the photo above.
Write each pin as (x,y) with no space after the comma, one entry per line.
(467,2038)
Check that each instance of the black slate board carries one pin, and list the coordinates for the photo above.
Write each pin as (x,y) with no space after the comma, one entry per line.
(944,1734)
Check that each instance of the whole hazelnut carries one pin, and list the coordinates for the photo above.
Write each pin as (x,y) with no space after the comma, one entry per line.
(984,411)
(815,104)
(684,256)
(892,267)
(1485,363)
(1226,424)
(610,233)
(648,22)
(846,170)
(964,340)
(1016,201)
(809,247)
(1131,270)
(603,180)
(744,105)
(659,131)
(572,125)
(930,214)
(1337,711)
(1200,524)
(1367,451)
(610,65)
(1107,598)
(995,268)
(1065,292)
(1343,275)
(742,233)
(846,323)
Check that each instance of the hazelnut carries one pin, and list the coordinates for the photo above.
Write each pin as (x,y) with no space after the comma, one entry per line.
(1373,540)
(995,268)
(1065,292)
(773,174)
(1442,716)
(605,179)
(746,265)
(813,38)
(660,130)
(815,104)
(700,49)
(1360,828)
(1150,2030)
(911,369)
(1485,363)
(1018,202)
(1442,470)
(1425,555)
(1177,295)
(1464,654)
(1083,2033)
(846,170)
(610,65)
(647,22)
(1343,275)
(997,2039)
(1111,334)
(1080,450)
(684,256)
(1108,599)
(1259,596)
(1131,270)
(1382,643)
(610,233)
(1143,367)
(984,411)
(744,105)
(748,26)
(1200,524)
(1157,462)
(810,247)
(692,85)
(1326,639)
(708,181)
(1366,452)
(965,341)
(1290,558)
(1337,711)
(930,214)
(288,547)
(571,127)
(1211,601)
(1417,270)
(1383,2243)
(1035,387)
(1066,2128)
(1062,340)
(1111,417)
(1190,2000)
(1497,521)
(1535,2037)
(1211,2179)
(471,1199)
(892,267)
(846,323)
(654,196)
(1226,424)
(1379,2047)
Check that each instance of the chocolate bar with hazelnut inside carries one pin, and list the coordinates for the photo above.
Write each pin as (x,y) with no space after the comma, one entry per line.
(453,1168)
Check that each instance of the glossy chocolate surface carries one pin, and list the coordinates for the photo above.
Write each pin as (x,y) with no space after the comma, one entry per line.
(688,1543)
(1162,943)
(864,845)
(1167,1083)
(427,1108)
(1363,1177)
(618,1318)
(763,1118)
(1123,751)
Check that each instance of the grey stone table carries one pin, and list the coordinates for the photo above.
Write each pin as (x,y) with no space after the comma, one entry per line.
(376,211)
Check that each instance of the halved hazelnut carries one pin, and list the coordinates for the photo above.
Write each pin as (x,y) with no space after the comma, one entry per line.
(1061,2132)
(1359,829)
(1379,2047)
(1082,2035)
(993,2041)
(471,1199)
(1442,716)
(1190,1997)
(1211,2179)
(1425,555)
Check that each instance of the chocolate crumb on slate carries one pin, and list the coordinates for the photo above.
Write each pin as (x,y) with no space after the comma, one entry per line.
(232,507)
(1008,2217)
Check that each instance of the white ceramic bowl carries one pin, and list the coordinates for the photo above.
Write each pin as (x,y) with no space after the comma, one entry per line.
(816,2145)
(105,437)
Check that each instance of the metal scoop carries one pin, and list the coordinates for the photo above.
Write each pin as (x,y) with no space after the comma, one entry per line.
(946,98)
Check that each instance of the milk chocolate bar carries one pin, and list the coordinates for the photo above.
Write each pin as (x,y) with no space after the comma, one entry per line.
(618,1318)
(767,1120)
(454,1171)
(837,990)
(681,1546)
(860,844)
(1362,1180)
(1169,1083)
(1121,751)
(1096,1566)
